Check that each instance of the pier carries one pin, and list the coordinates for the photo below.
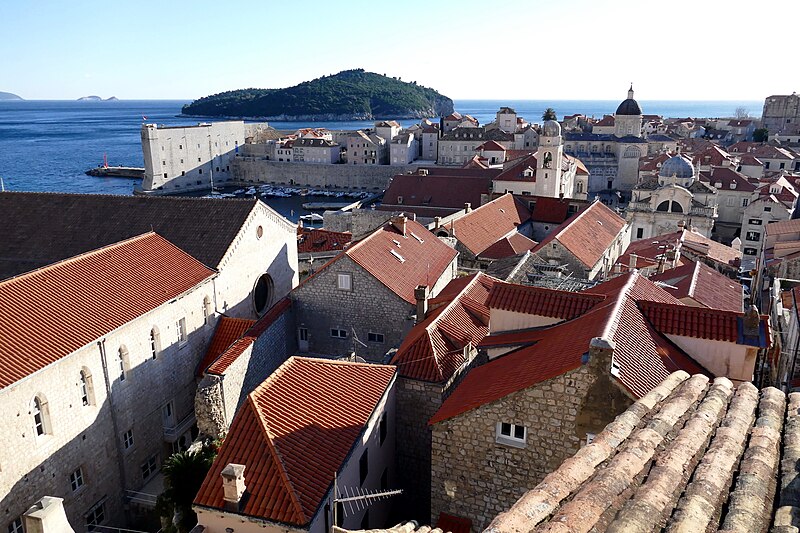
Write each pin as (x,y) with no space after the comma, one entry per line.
(116,172)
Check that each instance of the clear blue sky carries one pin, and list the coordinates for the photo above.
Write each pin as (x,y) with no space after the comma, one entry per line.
(515,49)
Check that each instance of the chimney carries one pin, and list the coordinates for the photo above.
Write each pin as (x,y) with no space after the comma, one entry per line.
(233,485)
(399,223)
(421,295)
(437,222)
(632,263)
(47,516)
(467,207)
(681,224)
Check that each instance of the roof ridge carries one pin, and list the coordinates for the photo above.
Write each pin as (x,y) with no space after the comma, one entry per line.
(612,324)
(92,253)
(695,275)
(276,456)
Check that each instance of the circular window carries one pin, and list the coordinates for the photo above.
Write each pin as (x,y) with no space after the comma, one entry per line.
(262,293)
(259,231)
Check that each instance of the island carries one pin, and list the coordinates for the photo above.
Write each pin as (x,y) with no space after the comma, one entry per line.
(348,95)
(9,96)
(95,98)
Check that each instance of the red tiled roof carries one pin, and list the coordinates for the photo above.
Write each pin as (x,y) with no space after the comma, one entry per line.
(492,146)
(703,284)
(713,155)
(728,179)
(642,357)
(293,435)
(311,240)
(550,210)
(541,301)
(434,349)
(219,365)
(423,262)
(783,227)
(698,322)
(489,223)
(588,234)
(228,331)
(448,191)
(515,171)
(512,244)
(49,313)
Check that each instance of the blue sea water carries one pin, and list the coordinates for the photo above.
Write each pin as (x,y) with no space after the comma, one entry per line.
(47,145)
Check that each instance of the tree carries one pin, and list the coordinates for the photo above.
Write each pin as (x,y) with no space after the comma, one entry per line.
(549,114)
(741,113)
(760,135)
(184,473)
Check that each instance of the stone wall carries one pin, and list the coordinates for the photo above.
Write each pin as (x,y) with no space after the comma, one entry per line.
(370,307)
(474,476)
(251,170)
(358,221)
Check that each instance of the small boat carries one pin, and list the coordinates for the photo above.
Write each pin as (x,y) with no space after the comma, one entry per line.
(313,217)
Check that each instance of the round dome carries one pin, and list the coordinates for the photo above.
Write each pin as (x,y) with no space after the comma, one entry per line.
(629,106)
(677,166)
(551,128)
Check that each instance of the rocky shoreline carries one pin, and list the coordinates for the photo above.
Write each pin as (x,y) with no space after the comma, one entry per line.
(430,113)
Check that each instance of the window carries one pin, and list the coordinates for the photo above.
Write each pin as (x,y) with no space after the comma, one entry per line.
(263,293)
(383,429)
(149,467)
(731,202)
(754,221)
(122,357)
(511,434)
(338,333)
(15,526)
(76,479)
(344,282)
(168,414)
(753,236)
(127,439)
(363,466)
(206,310)
(181,330)
(639,233)
(750,251)
(96,516)
(375,337)
(39,414)
(745,201)
(85,386)
(302,334)
(155,342)
(767,209)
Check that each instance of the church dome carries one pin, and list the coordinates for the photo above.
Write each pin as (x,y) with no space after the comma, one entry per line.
(629,106)
(551,128)
(677,166)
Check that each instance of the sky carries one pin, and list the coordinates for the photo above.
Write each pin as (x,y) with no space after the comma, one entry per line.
(465,49)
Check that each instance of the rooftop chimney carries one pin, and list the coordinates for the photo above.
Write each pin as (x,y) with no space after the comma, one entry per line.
(421,295)
(467,207)
(233,485)
(632,263)
(399,223)
(437,222)
(47,516)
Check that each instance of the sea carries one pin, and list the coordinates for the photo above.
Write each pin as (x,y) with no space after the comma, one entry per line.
(48,145)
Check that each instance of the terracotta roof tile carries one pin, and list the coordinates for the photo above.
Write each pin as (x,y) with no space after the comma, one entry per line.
(550,210)
(293,435)
(489,223)
(703,284)
(510,245)
(424,260)
(51,312)
(311,240)
(407,191)
(588,234)
(434,349)
(228,331)
(540,301)
(492,146)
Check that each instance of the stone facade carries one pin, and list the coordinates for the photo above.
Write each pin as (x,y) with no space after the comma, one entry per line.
(476,477)
(129,391)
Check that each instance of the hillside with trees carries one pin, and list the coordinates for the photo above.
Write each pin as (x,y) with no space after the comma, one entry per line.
(348,95)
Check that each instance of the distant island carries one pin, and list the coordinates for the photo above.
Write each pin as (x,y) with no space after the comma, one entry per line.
(348,95)
(95,98)
(9,96)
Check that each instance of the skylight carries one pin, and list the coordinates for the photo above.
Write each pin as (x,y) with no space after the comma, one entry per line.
(398,256)
(396,242)
(417,237)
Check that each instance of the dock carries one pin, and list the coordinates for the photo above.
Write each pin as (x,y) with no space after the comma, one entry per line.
(116,172)
(326,206)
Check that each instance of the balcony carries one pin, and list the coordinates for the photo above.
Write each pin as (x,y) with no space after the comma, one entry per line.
(173,433)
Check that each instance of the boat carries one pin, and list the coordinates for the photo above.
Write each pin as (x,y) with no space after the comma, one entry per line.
(313,217)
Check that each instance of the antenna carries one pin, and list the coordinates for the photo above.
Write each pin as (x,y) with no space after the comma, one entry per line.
(356,340)
(357,499)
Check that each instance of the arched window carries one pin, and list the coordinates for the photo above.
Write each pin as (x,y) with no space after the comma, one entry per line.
(40,414)
(86,387)
(124,362)
(632,151)
(207,310)
(155,342)
(263,293)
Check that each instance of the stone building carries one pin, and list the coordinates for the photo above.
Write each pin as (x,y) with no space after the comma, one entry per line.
(403,149)
(186,158)
(98,358)
(497,229)
(365,148)
(312,424)
(253,248)
(315,246)
(734,190)
(691,455)
(430,361)
(676,196)
(771,202)
(311,150)
(782,114)
(458,146)
(587,244)
(242,354)
(561,366)
(363,300)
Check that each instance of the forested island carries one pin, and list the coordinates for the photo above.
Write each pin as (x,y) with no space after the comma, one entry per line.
(348,95)
(9,96)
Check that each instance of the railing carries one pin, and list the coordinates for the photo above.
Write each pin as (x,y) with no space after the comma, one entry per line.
(111,529)
(143,498)
(171,433)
